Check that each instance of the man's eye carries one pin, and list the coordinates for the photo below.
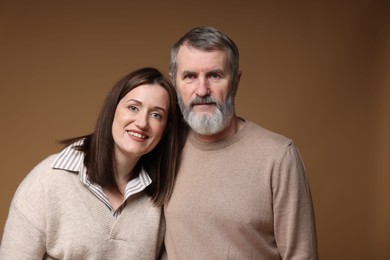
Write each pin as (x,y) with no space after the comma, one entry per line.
(189,76)
(215,75)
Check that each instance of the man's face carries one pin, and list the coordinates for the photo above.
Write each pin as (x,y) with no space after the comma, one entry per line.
(203,84)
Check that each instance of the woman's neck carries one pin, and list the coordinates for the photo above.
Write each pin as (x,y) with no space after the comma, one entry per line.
(124,167)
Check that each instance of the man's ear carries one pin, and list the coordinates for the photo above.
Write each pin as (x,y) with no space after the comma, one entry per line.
(170,77)
(237,82)
(239,77)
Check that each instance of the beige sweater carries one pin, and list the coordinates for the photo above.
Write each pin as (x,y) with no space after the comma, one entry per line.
(246,197)
(54,216)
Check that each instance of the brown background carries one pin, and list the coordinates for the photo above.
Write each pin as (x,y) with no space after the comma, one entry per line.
(316,71)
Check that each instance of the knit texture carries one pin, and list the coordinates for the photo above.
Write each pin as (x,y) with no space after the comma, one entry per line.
(245,197)
(54,216)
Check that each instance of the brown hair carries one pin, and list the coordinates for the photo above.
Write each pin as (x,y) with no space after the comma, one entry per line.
(161,163)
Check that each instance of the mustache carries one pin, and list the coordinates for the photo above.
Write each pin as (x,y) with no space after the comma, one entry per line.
(203,100)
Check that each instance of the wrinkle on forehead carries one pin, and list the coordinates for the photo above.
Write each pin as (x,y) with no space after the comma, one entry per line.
(196,60)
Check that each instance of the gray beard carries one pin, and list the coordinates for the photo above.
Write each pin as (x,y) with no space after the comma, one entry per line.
(208,124)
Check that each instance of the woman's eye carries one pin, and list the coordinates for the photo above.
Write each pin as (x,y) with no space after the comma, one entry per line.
(133,108)
(156,115)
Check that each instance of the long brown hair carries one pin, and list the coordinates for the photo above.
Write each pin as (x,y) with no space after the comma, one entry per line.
(161,163)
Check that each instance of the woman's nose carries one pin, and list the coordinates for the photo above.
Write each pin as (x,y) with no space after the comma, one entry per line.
(142,122)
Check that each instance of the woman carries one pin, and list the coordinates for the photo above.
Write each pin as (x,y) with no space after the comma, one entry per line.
(101,197)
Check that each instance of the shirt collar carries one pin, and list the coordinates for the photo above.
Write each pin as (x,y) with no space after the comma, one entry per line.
(71,159)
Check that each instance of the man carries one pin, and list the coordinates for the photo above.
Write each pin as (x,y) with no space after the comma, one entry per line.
(242,191)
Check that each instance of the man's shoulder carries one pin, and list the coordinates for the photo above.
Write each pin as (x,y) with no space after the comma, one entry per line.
(263,136)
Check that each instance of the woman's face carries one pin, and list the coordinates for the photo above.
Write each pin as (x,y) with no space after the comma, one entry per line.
(140,120)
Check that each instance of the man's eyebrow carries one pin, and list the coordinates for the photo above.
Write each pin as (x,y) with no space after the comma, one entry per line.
(187,72)
(220,71)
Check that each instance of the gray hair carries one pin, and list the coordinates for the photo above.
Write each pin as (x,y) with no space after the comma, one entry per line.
(208,39)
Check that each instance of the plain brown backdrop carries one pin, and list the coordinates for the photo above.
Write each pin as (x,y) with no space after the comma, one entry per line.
(315,71)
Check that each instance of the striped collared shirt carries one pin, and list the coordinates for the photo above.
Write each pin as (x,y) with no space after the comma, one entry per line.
(72,160)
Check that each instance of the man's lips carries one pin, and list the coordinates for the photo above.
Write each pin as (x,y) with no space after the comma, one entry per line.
(203,107)
(203,104)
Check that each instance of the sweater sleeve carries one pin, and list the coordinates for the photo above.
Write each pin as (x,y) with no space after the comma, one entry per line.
(294,222)
(23,236)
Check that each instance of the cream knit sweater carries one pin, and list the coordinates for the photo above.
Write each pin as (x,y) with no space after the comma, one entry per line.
(54,216)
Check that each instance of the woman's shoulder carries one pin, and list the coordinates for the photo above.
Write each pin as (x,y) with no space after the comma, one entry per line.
(41,175)
(30,190)
(43,169)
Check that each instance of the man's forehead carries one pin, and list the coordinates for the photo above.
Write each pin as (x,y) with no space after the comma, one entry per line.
(191,50)
(192,59)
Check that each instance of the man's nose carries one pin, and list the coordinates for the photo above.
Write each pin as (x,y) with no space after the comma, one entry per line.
(203,88)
